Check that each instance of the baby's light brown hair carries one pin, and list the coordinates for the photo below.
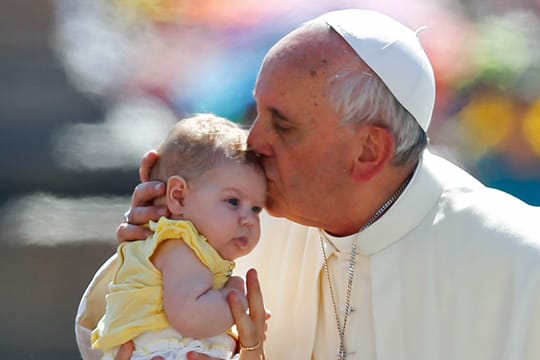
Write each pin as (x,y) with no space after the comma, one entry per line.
(199,143)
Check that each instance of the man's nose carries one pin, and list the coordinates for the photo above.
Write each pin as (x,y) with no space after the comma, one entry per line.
(258,139)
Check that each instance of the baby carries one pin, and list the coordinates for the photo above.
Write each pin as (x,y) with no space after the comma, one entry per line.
(169,292)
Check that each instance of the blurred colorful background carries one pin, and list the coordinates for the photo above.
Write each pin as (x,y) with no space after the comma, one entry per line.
(87,86)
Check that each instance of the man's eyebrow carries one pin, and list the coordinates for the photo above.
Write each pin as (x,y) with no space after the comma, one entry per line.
(276,113)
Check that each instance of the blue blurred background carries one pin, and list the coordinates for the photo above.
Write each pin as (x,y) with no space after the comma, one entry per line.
(87,86)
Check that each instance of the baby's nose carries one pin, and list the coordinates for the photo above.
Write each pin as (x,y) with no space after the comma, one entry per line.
(244,221)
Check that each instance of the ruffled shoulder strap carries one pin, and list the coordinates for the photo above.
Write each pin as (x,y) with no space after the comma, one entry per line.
(166,229)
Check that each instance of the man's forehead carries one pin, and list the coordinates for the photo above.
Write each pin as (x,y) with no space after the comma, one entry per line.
(292,71)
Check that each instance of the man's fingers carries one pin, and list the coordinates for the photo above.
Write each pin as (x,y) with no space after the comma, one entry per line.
(126,232)
(125,351)
(147,163)
(196,356)
(247,328)
(237,283)
(142,211)
(255,298)
(146,192)
(143,214)
(251,327)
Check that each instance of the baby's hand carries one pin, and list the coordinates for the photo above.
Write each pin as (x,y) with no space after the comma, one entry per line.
(236,284)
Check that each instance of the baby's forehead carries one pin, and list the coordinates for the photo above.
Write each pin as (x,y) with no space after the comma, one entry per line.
(231,170)
(246,176)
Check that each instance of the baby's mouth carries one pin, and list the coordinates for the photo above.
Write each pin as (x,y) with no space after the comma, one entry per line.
(241,241)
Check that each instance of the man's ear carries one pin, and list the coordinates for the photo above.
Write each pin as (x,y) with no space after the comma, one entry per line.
(177,188)
(375,150)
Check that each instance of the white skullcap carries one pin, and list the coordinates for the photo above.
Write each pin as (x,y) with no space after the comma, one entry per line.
(394,53)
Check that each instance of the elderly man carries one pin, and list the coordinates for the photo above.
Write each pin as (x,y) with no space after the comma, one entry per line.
(389,252)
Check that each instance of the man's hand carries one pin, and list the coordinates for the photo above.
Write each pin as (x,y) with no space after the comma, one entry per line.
(125,351)
(142,209)
(147,163)
(251,326)
(237,284)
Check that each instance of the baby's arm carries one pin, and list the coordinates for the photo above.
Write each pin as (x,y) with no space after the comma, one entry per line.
(191,305)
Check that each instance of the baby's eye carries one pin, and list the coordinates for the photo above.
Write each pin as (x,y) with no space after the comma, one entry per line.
(233,201)
(256,209)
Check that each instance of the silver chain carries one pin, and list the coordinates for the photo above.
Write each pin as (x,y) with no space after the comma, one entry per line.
(341,354)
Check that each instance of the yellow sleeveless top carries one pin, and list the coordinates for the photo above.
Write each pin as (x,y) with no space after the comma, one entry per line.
(135,298)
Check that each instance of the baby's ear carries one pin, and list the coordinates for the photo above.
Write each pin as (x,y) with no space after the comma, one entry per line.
(177,189)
